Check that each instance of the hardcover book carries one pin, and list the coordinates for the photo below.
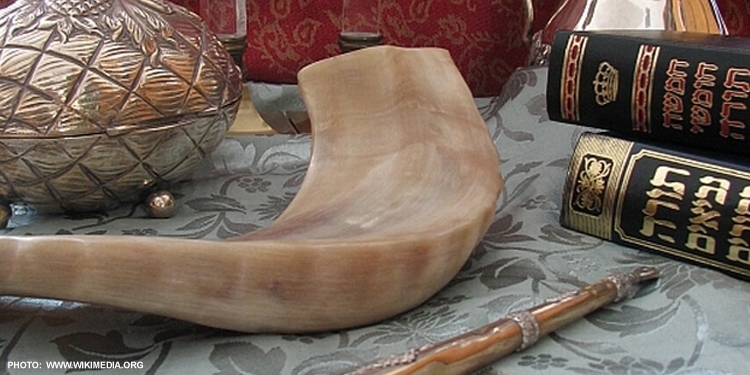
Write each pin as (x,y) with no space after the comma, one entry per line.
(661,198)
(680,87)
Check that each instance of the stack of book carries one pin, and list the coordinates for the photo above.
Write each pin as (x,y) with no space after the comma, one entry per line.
(672,174)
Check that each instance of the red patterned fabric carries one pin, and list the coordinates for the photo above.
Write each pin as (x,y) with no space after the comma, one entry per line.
(485,37)
(736,14)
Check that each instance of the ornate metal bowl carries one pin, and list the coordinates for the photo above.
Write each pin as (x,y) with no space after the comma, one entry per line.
(103,101)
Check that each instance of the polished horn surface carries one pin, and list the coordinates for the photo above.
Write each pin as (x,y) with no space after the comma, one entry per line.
(402,185)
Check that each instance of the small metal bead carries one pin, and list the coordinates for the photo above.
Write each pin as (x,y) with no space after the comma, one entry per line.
(160,204)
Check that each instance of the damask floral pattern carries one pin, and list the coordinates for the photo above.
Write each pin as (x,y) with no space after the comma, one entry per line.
(693,321)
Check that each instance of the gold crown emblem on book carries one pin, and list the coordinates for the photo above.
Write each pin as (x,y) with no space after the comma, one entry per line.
(605,83)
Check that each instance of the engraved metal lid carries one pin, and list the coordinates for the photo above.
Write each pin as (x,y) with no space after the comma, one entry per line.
(102,101)
(78,67)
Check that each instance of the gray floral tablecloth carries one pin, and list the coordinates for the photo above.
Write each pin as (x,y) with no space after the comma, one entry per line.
(693,321)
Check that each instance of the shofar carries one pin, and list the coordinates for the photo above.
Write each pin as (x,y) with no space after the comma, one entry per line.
(401,186)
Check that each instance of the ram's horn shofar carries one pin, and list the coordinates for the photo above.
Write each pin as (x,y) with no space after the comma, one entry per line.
(402,185)
(481,347)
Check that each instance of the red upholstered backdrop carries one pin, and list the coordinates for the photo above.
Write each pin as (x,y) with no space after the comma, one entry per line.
(485,37)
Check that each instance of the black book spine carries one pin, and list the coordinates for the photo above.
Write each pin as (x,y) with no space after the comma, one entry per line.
(684,88)
(662,199)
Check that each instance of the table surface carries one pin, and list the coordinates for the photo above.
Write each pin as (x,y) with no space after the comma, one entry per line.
(693,321)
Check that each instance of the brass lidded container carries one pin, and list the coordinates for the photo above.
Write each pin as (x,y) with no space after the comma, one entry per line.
(103,101)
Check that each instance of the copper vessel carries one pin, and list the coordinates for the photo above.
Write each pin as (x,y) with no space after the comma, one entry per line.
(104,101)
(680,15)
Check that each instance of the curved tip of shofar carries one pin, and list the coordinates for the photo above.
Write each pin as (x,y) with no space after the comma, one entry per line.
(401,186)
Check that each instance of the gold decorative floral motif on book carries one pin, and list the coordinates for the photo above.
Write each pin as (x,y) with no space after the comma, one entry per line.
(593,177)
